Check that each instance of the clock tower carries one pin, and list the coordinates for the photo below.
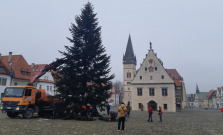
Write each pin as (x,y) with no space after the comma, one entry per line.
(129,71)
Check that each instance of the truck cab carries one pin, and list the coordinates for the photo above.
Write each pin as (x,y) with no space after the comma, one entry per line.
(26,100)
(19,100)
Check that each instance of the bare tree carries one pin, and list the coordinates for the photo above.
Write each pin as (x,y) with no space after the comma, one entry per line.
(118,85)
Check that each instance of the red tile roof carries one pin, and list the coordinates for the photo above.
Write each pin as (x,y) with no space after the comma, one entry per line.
(37,68)
(174,74)
(178,83)
(211,94)
(5,71)
(17,64)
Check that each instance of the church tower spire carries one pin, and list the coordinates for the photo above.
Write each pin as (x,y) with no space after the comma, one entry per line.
(129,57)
(129,71)
(197,89)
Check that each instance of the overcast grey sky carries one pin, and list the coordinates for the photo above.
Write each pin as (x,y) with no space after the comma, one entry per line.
(187,35)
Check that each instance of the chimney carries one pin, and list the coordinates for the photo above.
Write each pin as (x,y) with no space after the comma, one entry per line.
(33,64)
(10,57)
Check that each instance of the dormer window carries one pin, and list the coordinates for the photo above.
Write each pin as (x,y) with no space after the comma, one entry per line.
(2,68)
(23,72)
(28,73)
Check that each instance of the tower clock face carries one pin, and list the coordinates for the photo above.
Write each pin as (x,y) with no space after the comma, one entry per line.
(150,61)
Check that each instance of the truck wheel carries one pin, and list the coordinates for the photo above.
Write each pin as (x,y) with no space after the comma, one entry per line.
(28,113)
(12,115)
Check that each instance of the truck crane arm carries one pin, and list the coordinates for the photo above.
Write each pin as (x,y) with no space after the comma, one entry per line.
(47,68)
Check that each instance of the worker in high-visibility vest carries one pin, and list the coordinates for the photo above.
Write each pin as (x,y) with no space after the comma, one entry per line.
(160,113)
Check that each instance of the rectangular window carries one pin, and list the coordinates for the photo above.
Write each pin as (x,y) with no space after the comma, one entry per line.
(151,77)
(165,106)
(128,75)
(164,92)
(155,68)
(145,68)
(50,88)
(128,82)
(151,92)
(162,76)
(28,92)
(140,77)
(40,86)
(140,105)
(139,91)
(3,81)
(47,88)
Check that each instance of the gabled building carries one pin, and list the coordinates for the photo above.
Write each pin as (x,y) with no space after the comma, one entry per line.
(180,91)
(219,97)
(199,97)
(209,99)
(16,69)
(150,85)
(44,82)
(5,78)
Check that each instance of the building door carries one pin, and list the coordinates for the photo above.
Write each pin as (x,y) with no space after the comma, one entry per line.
(153,104)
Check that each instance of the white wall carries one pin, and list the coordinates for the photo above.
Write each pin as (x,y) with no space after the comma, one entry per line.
(49,87)
(2,88)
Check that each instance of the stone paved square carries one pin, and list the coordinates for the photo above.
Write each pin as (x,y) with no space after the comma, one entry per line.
(187,122)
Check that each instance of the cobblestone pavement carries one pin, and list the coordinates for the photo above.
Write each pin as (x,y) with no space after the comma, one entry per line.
(187,122)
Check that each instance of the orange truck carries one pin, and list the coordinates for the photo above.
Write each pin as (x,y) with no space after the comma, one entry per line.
(27,100)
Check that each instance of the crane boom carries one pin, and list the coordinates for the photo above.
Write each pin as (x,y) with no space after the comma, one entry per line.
(46,69)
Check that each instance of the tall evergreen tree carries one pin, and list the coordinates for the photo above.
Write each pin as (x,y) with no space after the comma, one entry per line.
(84,72)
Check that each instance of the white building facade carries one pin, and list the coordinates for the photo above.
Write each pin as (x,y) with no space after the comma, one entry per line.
(4,82)
(150,85)
(44,82)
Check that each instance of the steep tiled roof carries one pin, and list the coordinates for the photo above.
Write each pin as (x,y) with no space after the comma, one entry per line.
(177,83)
(174,74)
(17,67)
(36,69)
(2,65)
(211,94)
(129,57)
